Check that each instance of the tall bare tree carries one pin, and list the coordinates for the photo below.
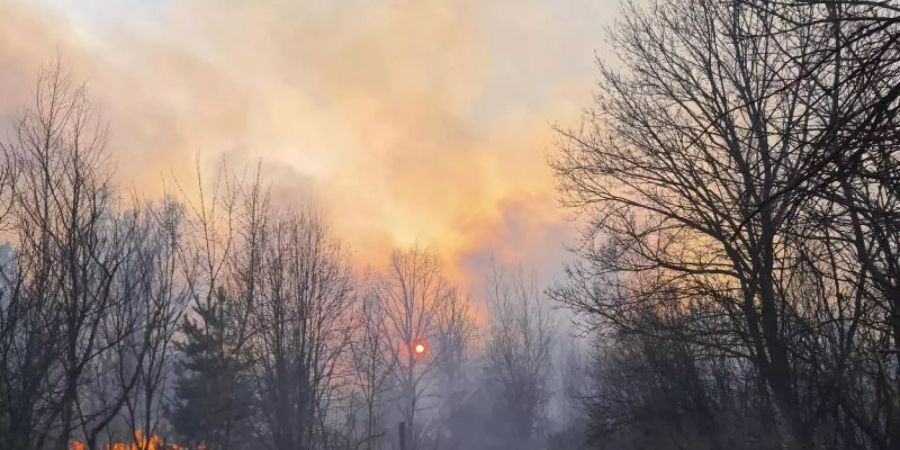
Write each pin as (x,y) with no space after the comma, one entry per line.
(164,295)
(415,295)
(688,170)
(302,323)
(372,365)
(73,243)
(518,347)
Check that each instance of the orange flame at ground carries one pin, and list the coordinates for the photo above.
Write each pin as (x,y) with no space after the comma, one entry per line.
(140,442)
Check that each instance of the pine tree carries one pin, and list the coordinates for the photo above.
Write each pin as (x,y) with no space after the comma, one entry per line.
(213,398)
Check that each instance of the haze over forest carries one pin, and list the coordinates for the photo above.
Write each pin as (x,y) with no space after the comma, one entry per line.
(405,122)
(436,224)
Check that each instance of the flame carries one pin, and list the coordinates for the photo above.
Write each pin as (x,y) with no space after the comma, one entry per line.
(140,442)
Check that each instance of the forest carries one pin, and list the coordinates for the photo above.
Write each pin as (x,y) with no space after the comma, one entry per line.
(735,283)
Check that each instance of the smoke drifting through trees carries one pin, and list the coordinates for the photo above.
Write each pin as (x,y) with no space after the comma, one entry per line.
(737,281)
(218,321)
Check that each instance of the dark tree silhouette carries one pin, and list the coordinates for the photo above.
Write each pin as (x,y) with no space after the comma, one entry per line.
(213,403)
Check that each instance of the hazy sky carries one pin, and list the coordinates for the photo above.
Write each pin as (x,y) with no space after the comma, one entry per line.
(403,121)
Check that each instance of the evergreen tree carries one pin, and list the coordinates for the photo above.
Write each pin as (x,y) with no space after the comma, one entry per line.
(213,398)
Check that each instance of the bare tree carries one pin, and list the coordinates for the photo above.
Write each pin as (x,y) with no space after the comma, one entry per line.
(688,171)
(371,363)
(415,295)
(73,244)
(164,298)
(856,66)
(454,337)
(518,346)
(675,181)
(302,325)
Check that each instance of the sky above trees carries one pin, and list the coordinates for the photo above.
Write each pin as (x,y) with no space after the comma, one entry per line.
(426,121)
